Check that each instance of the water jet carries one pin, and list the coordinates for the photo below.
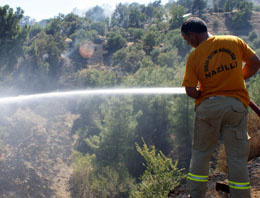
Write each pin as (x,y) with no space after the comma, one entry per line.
(91,92)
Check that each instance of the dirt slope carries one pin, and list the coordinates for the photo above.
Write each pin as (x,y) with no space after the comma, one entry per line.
(36,154)
(220,23)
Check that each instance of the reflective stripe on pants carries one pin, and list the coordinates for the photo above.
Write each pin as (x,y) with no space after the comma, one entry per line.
(198,178)
(239,185)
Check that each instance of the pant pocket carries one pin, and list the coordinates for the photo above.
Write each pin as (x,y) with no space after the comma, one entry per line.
(241,135)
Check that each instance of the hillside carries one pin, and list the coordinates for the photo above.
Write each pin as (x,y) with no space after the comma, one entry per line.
(35,160)
(219,23)
(36,157)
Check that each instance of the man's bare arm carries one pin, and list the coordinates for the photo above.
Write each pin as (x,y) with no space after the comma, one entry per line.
(251,67)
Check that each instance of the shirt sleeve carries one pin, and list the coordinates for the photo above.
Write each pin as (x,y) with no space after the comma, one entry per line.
(246,50)
(190,78)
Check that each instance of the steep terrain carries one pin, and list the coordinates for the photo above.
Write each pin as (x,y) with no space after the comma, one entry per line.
(37,146)
(220,23)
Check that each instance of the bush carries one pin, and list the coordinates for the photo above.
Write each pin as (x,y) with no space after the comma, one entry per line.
(80,179)
(115,42)
(109,183)
(129,59)
(256,43)
(91,181)
(160,175)
(252,36)
(96,78)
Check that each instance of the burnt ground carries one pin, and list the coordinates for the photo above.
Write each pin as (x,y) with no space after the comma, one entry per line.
(36,149)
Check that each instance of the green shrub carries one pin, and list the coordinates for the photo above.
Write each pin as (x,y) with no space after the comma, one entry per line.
(160,176)
(252,36)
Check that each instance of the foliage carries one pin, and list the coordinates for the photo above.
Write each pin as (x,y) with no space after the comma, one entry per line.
(136,33)
(181,115)
(115,42)
(81,175)
(149,41)
(198,6)
(136,17)
(219,5)
(109,183)
(257,52)
(176,16)
(96,14)
(82,35)
(70,24)
(155,76)
(252,36)
(46,52)
(129,59)
(186,4)
(54,25)
(229,5)
(169,59)
(89,182)
(256,43)
(34,30)
(117,132)
(96,78)
(12,37)
(173,39)
(241,17)
(254,89)
(120,16)
(160,175)
(100,27)
(149,11)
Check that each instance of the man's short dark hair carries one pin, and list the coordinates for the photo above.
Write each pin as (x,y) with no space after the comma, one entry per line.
(194,24)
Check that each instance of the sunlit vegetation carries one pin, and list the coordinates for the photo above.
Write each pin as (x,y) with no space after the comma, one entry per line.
(127,146)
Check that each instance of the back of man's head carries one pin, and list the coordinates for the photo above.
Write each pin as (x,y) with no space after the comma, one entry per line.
(194,24)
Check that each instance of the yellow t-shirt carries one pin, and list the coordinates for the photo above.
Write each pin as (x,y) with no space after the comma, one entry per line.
(216,66)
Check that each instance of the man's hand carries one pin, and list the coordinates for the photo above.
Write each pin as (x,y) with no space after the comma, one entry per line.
(193,92)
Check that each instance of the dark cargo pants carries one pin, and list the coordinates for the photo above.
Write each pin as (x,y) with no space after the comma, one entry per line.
(227,117)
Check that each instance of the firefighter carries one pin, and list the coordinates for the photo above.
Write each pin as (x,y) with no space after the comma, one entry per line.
(215,78)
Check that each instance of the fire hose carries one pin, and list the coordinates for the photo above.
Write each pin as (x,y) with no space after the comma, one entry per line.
(254,107)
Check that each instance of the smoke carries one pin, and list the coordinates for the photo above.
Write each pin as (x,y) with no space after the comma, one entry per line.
(108,10)
(82,7)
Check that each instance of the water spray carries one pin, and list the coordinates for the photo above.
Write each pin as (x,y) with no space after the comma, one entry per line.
(120,91)
(92,92)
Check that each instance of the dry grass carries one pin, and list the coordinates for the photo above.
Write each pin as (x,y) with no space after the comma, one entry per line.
(254,132)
